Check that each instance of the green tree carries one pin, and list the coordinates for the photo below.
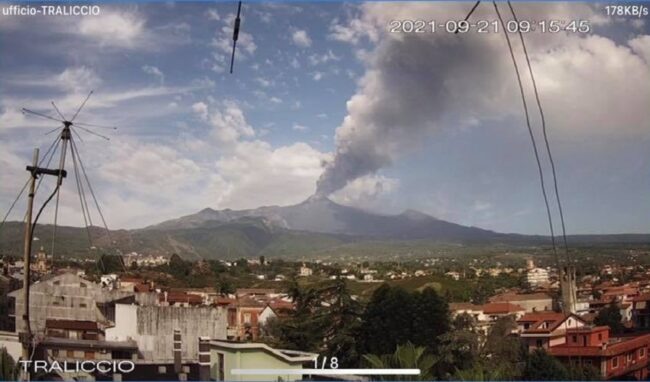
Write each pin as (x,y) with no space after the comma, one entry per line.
(406,356)
(483,371)
(460,347)
(225,286)
(8,369)
(304,328)
(342,324)
(542,367)
(501,346)
(583,372)
(394,317)
(387,320)
(110,264)
(610,316)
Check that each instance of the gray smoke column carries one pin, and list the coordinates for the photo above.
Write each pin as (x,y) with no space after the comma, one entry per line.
(415,85)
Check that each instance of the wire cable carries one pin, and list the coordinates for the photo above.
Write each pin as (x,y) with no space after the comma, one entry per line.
(92,193)
(530,130)
(81,195)
(27,184)
(548,146)
(470,13)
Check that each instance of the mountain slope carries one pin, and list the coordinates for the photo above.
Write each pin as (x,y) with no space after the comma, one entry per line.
(324,216)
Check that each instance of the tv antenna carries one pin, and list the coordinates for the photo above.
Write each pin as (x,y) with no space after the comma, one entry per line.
(64,141)
(68,129)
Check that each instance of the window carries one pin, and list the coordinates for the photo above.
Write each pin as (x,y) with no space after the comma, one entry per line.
(57,282)
(539,343)
(70,353)
(574,338)
(55,352)
(82,285)
(83,305)
(162,369)
(89,355)
(641,352)
(600,336)
(247,318)
(614,362)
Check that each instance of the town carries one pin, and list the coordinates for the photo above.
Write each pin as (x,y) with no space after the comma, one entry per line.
(178,319)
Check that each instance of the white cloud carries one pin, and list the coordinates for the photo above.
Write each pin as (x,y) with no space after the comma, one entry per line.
(317,59)
(299,127)
(154,71)
(213,14)
(301,38)
(227,121)
(317,76)
(113,28)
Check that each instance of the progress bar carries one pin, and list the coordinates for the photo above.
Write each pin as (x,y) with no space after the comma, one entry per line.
(325,371)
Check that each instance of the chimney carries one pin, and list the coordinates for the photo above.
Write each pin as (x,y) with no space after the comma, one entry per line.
(177,351)
(204,358)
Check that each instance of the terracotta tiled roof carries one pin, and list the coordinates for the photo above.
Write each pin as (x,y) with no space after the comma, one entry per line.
(181,297)
(278,305)
(642,297)
(224,300)
(542,316)
(614,347)
(501,308)
(142,288)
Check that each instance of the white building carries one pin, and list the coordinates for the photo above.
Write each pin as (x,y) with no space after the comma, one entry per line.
(536,277)
(305,271)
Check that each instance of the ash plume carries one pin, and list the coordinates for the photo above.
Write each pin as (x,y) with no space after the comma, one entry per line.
(415,85)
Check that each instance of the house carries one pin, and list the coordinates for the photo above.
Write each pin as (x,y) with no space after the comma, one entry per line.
(618,358)
(531,302)
(537,277)
(69,297)
(224,356)
(543,330)
(641,311)
(152,328)
(485,315)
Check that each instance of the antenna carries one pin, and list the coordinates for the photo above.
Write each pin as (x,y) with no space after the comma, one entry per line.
(235,36)
(68,129)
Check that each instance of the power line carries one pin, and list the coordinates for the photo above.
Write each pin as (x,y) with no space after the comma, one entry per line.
(530,130)
(13,204)
(548,147)
(470,13)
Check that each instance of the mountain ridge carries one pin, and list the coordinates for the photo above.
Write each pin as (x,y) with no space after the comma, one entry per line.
(322,215)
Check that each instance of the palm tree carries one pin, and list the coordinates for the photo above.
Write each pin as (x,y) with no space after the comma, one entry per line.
(481,372)
(407,356)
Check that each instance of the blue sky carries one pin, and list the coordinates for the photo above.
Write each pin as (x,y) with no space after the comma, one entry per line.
(433,122)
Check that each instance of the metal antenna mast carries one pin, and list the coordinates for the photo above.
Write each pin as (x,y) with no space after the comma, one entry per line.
(235,36)
(65,140)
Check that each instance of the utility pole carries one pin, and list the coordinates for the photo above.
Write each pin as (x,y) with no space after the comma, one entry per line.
(35,171)
(27,335)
